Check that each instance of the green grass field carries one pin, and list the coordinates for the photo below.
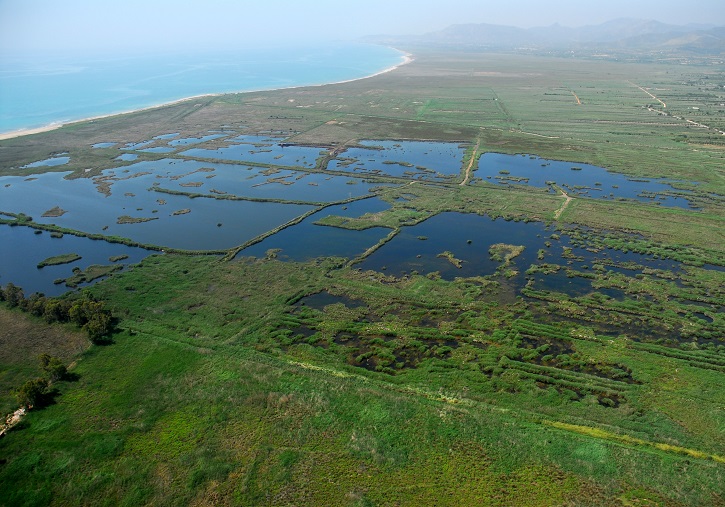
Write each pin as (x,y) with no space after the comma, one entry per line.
(222,386)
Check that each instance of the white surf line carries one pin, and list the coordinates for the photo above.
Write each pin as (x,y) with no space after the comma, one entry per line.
(406,58)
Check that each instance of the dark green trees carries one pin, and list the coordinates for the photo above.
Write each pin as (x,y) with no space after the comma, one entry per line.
(32,392)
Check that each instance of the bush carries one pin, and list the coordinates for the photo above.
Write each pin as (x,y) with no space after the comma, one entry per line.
(32,392)
(13,295)
(98,327)
(53,366)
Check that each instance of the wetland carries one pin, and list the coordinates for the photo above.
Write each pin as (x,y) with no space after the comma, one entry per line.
(386,283)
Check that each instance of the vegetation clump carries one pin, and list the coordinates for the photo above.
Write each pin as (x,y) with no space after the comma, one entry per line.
(502,252)
(85,312)
(126,219)
(451,258)
(54,212)
(33,392)
(59,259)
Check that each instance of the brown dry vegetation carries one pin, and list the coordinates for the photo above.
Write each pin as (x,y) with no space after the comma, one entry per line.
(22,340)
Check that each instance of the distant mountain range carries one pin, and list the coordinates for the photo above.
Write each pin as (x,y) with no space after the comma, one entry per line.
(624,34)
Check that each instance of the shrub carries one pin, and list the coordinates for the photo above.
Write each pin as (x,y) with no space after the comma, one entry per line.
(32,392)
(13,295)
(53,366)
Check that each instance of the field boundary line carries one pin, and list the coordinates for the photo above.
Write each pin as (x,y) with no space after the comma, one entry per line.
(593,432)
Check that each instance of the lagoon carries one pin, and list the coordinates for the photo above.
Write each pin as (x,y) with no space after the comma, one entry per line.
(420,160)
(261,150)
(207,225)
(582,180)
(306,240)
(21,249)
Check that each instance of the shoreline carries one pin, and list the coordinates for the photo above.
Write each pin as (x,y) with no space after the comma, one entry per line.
(406,59)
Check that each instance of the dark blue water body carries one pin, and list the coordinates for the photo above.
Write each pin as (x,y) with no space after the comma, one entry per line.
(451,232)
(261,150)
(357,209)
(560,282)
(713,267)
(416,248)
(589,181)
(21,249)
(91,211)
(626,263)
(420,160)
(104,145)
(256,182)
(306,240)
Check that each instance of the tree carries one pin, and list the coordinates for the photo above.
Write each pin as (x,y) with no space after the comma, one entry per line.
(82,310)
(98,326)
(13,294)
(53,366)
(32,392)
(35,304)
(52,312)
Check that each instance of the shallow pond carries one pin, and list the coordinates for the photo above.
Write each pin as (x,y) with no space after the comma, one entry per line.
(158,149)
(21,249)
(48,162)
(173,221)
(576,179)
(194,140)
(137,146)
(257,182)
(306,240)
(127,157)
(167,136)
(322,299)
(417,248)
(261,150)
(420,160)
(468,237)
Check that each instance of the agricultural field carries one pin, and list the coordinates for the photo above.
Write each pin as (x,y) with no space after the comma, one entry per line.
(479,279)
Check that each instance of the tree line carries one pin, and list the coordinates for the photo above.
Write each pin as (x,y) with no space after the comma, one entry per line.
(85,312)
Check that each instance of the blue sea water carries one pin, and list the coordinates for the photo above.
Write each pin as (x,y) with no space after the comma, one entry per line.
(43,90)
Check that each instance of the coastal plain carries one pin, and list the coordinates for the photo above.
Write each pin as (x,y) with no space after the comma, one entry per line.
(482,339)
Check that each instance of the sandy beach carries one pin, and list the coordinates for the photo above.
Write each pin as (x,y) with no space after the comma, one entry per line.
(406,59)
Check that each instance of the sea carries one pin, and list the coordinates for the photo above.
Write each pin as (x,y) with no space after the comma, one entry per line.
(42,90)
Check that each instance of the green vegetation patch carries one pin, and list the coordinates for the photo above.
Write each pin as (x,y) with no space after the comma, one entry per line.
(126,219)
(54,212)
(59,259)
(92,272)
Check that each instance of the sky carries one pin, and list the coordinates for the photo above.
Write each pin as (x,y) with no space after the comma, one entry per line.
(137,25)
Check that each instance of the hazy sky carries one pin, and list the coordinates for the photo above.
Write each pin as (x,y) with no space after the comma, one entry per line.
(163,24)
